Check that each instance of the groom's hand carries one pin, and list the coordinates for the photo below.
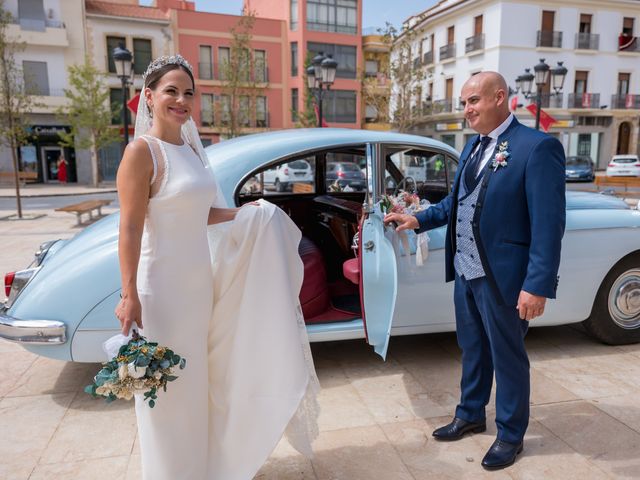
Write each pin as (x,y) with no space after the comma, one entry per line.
(530,306)
(402,220)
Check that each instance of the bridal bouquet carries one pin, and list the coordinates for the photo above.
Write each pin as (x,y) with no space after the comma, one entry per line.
(408,203)
(139,366)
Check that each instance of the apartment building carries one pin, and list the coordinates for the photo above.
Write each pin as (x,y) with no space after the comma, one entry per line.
(375,82)
(599,106)
(331,27)
(53,33)
(147,33)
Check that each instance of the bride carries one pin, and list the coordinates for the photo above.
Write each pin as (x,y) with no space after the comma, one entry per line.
(225,297)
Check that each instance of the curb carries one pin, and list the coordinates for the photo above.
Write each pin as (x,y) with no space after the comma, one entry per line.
(64,194)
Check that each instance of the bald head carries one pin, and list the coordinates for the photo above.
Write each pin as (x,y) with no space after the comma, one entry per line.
(485,101)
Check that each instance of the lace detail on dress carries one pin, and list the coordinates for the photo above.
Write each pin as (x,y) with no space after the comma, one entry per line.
(302,429)
(160,168)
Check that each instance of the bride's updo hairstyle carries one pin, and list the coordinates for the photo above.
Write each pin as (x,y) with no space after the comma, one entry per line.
(163,65)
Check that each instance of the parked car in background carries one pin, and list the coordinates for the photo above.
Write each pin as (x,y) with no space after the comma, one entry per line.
(358,282)
(345,175)
(579,168)
(624,166)
(282,177)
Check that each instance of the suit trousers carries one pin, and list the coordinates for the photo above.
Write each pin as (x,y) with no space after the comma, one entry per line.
(491,337)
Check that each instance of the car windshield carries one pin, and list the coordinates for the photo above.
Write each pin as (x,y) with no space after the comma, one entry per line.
(299,165)
(625,160)
(578,162)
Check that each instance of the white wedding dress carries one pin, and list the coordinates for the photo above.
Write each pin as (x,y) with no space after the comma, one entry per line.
(249,373)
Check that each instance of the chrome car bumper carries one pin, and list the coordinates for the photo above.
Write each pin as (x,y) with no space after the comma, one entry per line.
(33,332)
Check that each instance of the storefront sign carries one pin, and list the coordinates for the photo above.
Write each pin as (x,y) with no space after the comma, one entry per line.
(48,130)
(444,127)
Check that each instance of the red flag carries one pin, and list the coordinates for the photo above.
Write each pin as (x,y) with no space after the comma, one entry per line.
(133,103)
(315,107)
(586,100)
(514,103)
(546,120)
(628,103)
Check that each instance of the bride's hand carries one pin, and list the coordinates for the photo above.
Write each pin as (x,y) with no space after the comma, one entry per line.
(129,311)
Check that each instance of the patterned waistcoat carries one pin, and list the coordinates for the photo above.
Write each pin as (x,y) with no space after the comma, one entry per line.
(467,260)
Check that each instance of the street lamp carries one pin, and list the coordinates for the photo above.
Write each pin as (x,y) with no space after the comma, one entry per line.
(320,76)
(540,76)
(123,61)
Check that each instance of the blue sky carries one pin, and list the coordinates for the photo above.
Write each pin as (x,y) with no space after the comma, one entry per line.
(375,12)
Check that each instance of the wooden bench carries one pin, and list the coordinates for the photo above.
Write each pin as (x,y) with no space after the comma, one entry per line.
(23,177)
(626,182)
(87,206)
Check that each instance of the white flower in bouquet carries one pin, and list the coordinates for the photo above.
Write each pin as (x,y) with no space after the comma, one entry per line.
(136,372)
(122,372)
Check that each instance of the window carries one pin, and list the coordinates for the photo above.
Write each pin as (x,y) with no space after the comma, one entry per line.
(142,55)
(244,114)
(585,23)
(224,56)
(548,18)
(205,63)
(371,68)
(580,85)
(345,55)
(294,104)
(584,144)
(225,109)
(422,172)
(115,100)
(295,176)
(206,109)
(294,59)
(31,15)
(293,22)
(113,42)
(451,35)
(449,139)
(262,120)
(627,26)
(623,83)
(344,172)
(333,16)
(340,106)
(477,25)
(36,78)
(260,66)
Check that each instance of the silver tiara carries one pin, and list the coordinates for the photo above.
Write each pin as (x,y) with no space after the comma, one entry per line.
(160,62)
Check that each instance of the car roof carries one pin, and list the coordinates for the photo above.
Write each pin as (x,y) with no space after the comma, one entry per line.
(629,155)
(249,152)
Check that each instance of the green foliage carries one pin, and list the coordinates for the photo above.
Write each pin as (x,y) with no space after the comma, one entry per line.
(307,116)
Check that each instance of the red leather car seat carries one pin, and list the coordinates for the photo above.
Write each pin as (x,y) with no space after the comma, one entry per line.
(314,294)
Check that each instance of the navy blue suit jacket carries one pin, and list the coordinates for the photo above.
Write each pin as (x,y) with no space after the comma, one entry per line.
(520,215)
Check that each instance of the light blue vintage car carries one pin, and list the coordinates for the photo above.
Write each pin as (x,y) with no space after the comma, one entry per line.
(357,284)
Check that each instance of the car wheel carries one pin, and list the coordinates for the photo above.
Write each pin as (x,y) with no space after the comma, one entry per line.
(615,316)
(279,186)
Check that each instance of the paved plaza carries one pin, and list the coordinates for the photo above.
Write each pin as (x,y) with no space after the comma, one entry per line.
(376,419)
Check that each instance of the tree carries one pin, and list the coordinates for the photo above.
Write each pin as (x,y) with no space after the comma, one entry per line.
(376,91)
(15,102)
(243,79)
(307,117)
(407,74)
(88,112)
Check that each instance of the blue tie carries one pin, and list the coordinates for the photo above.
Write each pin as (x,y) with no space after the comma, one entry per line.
(471,167)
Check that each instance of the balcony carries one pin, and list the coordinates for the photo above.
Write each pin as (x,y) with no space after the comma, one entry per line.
(627,43)
(587,41)
(261,74)
(549,39)
(205,71)
(447,52)
(52,33)
(584,100)
(625,101)
(550,100)
(475,43)
(442,106)
(427,58)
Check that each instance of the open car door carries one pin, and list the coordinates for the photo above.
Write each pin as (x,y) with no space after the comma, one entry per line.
(379,277)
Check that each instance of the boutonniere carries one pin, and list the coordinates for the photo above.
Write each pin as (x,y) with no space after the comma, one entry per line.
(501,157)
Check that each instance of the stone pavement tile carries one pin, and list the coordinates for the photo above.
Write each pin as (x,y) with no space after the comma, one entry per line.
(26,425)
(134,468)
(46,376)
(633,349)
(357,454)
(624,408)
(285,463)
(135,450)
(7,346)
(544,390)
(604,441)
(96,469)
(112,430)
(13,364)
(427,458)
(340,404)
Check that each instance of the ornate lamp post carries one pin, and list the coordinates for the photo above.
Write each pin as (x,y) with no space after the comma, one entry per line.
(124,62)
(320,76)
(540,76)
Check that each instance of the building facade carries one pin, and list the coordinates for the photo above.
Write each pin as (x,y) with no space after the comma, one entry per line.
(53,33)
(598,110)
(331,27)
(375,79)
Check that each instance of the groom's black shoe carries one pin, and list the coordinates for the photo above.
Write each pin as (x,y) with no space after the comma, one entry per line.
(456,429)
(501,455)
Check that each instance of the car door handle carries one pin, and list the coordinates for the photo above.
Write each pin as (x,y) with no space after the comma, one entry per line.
(368,246)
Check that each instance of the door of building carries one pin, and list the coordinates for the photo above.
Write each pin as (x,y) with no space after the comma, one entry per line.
(624,131)
(49,157)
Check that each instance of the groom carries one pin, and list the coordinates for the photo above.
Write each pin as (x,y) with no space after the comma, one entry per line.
(505,220)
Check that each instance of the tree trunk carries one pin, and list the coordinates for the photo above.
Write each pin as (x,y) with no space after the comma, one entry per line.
(95,174)
(16,178)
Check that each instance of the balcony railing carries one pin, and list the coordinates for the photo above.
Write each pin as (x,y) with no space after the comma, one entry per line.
(628,43)
(448,51)
(474,43)
(550,100)
(205,71)
(625,101)
(584,100)
(427,58)
(261,75)
(263,122)
(587,41)
(442,106)
(549,39)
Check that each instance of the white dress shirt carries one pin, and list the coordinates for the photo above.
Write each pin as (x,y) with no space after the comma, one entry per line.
(488,152)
